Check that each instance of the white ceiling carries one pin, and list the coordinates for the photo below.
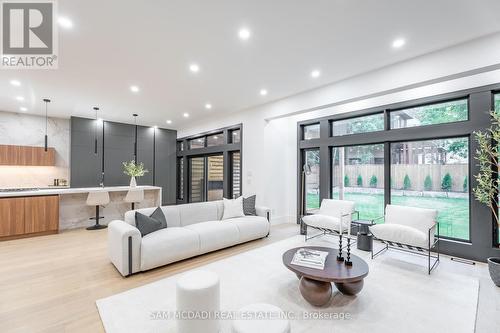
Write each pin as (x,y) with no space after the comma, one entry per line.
(117,43)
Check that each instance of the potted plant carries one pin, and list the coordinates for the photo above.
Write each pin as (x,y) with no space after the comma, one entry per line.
(486,190)
(133,170)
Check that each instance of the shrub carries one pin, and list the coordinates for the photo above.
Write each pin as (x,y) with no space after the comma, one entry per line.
(347,183)
(359,181)
(406,183)
(465,184)
(446,182)
(373,181)
(428,183)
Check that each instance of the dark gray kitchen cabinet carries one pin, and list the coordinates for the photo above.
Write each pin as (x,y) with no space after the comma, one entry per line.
(119,142)
(85,163)
(165,164)
(145,153)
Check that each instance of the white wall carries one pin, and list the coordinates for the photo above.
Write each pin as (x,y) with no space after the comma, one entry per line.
(29,130)
(270,131)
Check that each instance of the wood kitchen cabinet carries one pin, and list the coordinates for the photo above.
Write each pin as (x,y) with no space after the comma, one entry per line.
(26,155)
(11,216)
(28,216)
(41,214)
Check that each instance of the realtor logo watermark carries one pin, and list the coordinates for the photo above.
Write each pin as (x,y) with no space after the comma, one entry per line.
(29,35)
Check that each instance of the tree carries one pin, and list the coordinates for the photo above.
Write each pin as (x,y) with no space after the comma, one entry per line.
(428,183)
(373,181)
(347,182)
(406,183)
(446,183)
(359,181)
(465,185)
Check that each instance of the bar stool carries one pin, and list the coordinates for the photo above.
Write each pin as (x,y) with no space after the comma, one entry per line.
(97,199)
(134,195)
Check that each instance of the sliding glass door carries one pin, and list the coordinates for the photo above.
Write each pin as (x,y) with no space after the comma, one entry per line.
(215,172)
(206,178)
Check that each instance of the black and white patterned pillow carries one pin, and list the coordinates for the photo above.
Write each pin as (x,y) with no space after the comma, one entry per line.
(249,205)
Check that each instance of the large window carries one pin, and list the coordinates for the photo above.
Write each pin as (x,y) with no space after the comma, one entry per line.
(441,113)
(213,164)
(311,179)
(415,153)
(358,175)
(434,174)
(364,124)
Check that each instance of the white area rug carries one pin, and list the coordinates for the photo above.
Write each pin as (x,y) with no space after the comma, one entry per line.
(398,295)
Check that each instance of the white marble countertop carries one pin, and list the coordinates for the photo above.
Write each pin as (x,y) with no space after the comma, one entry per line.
(70,190)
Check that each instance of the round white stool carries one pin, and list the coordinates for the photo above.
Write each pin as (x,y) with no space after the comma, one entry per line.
(198,296)
(270,319)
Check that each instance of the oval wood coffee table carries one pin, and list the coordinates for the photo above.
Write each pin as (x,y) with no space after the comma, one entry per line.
(315,284)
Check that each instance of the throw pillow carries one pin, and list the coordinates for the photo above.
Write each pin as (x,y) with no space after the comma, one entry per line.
(233,208)
(249,205)
(148,224)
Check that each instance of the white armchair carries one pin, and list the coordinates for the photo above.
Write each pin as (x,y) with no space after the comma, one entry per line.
(334,217)
(409,229)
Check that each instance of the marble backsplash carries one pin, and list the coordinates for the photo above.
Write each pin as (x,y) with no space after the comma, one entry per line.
(29,130)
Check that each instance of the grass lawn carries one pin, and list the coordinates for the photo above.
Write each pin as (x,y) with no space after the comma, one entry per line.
(453,213)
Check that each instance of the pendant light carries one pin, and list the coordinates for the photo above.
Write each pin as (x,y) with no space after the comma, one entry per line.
(95,129)
(47,101)
(135,141)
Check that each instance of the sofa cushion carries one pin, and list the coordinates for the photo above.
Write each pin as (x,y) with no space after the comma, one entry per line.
(326,222)
(148,224)
(250,227)
(249,205)
(168,245)
(401,234)
(335,208)
(233,208)
(197,212)
(214,235)
(419,218)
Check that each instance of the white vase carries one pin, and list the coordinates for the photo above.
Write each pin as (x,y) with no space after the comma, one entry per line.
(133,183)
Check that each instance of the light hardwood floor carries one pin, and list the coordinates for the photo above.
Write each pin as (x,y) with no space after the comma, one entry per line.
(51,283)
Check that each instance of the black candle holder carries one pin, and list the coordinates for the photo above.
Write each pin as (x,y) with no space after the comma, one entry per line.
(339,257)
(348,262)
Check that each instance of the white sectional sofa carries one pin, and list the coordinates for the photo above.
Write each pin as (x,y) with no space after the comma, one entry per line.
(193,229)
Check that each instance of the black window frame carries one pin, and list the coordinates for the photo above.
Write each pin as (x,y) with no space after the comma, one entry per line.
(225,149)
(480,101)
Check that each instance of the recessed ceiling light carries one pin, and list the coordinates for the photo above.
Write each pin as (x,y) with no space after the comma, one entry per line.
(398,43)
(315,73)
(216,137)
(15,83)
(20,98)
(169,121)
(65,22)
(208,106)
(186,115)
(263,92)
(194,68)
(23,109)
(244,34)
(134,89)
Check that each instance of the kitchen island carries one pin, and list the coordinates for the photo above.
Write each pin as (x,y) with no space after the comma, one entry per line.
(32,212)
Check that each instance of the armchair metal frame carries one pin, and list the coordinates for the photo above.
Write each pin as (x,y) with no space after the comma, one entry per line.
(427,252)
